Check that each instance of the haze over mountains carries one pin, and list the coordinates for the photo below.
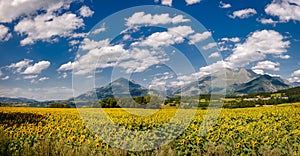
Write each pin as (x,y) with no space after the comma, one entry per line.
(242,81)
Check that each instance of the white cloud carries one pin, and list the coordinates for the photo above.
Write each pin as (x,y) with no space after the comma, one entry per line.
(99,30)
(66,67)
(126,37)
(257,46)
(48,26)
(267,21)
(43,79)
(37,68)
(267,65)
(88,44)
(140,18)
(5,78)
(159,39)
(214,55)
(245,13)
(296,73)
(258,71)
(166,2)
(65,75)
(34,79)
(132,60)
(4,33)
(198,37)
(209,46)
(224,5)
(159,81)
(203,71)
(285,10)
(74,42)
(283,56)
(85,11)
(19,66)
(295,76)
(234,39)
(30,77)
(12,10)
(181,30)
(169,2)
(174,35)
(212,68)
(190,2)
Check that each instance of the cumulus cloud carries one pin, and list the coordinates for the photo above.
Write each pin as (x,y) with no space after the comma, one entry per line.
(12,10)
(64,75)
(131,60)
(283,56)
(181,30)
(169,2)
(166,2)
(267,65)
(5,78)
(4,33)
(203,71)
(27,77)
(224,5)
(159,81)
(190,2)
(35,79)
(285,10)
(245,13)
(214,55)
(295,76)
(99,30)
(43,79)
(85,11)
(234,39)
(141,18)
(66,67)
(296,73)
(212,68)
(174,35)
(88,44)
(19,66)
(198,37)
(209,46)
(37,68)
(267,21)
(257,46)
(48,26)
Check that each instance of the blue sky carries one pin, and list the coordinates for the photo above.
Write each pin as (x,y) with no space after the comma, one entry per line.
(41,41)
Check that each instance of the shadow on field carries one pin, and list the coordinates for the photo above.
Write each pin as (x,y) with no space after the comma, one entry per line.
(18,118)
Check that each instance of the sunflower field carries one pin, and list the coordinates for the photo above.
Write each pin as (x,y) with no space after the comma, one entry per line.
(48,131)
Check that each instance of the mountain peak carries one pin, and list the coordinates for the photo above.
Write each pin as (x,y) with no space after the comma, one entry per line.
(120,87)
(121,79)
(263,83)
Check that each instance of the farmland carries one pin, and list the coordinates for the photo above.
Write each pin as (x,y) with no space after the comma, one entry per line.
(46,131)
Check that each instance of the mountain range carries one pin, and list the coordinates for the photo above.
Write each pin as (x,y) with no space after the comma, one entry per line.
(242,81)
(238,82)
(17,100)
